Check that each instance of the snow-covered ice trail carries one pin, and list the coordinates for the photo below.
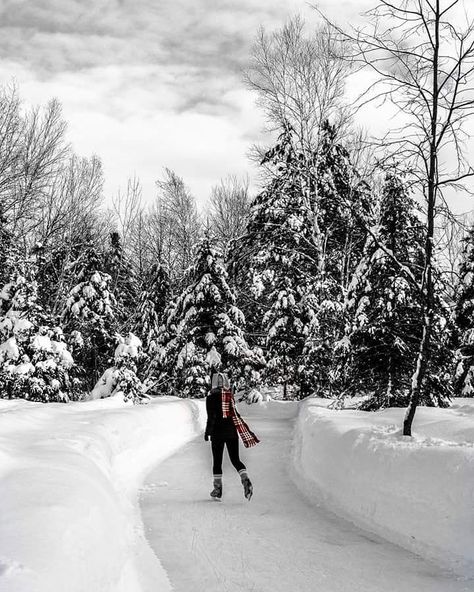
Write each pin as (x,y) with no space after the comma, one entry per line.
(279,541)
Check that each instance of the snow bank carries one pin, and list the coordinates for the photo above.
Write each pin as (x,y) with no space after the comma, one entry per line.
(417,492)
(69,476)
(270,408)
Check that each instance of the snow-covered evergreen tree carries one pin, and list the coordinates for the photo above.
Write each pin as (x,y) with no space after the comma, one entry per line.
(123,282)
(35,361)
(152,303)
(89,309)
(204,330)
(384,309)
(301,241)
(8,254)
(280,260)
(320,370)
(121,378)
(464,318)
(343,206)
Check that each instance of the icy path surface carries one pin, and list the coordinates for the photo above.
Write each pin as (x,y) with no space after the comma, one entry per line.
(276,542)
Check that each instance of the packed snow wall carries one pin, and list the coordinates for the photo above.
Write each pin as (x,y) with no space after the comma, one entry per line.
(416,492)
(69,479)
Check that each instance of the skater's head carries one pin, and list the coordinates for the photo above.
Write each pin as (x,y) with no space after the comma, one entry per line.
(219,380)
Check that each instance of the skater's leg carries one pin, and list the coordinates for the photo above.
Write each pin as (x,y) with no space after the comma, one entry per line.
(233,451)
(217,446)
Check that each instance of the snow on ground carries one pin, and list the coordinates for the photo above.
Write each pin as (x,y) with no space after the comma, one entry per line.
(280,540)
(417,492)
(69,476)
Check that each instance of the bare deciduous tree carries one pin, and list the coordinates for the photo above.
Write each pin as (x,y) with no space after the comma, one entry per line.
(139,248)
(422,52)
(11,132)
(43,151)
(75,192)
(299,79)
(448,239)
(229,210)
(176,224)
(127,207)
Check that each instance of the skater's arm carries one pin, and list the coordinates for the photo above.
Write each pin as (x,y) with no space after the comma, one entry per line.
(207,433)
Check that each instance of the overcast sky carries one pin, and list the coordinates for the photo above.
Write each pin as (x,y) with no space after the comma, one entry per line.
(146,84)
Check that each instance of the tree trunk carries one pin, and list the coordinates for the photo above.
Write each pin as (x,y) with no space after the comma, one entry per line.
(417,379)
(428,288)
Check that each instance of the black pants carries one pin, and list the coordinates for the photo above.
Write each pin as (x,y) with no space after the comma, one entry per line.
(217,445)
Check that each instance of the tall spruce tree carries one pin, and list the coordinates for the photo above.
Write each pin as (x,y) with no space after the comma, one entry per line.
(302,241)
(282,267)
(123,282)
(8,253)
(121,378)
(35,362)
(203,330)
(344,209)
(152,302)
(384,308)
(90,310)
(464,318)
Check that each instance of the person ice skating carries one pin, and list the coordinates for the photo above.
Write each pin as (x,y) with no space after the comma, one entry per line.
(224,426)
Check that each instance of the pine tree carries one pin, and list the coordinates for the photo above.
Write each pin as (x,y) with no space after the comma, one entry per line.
(124,283)
(35,362)
(464,318)
(300,244)
(152,303)
(343,204)
(204,330)
(121,378)
(320,370)
(384,308)
(50,261)
(89,309)
(8,255)
(279,260)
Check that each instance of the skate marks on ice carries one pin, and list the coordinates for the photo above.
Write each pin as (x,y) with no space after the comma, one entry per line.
(276,542)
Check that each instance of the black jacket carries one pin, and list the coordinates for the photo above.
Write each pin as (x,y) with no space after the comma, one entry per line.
(218,426)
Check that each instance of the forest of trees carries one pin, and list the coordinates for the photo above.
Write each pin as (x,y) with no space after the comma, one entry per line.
(345,275)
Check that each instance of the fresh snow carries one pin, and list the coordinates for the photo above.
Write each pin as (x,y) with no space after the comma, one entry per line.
(21,325)
(60,348)
(127,346)
(213,358)
(281,540)
(70,519)
(9,349)
(105,385)
(69,475)
(417,492)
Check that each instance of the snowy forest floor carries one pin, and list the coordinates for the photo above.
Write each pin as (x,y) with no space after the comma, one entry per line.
(278,541)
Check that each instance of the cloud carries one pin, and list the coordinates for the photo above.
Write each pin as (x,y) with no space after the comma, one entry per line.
(197,33)
(144,83)
(202,44)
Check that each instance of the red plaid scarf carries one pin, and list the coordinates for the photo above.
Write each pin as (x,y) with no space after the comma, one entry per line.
(229,410)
